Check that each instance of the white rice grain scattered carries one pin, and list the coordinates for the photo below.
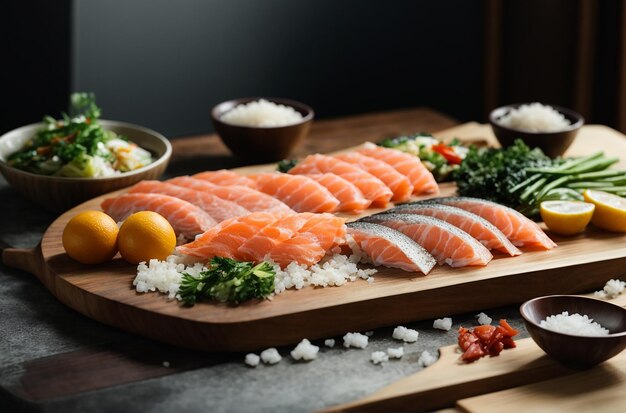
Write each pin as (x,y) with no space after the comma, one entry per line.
(443,323)
(305,351)
(611,289)
(535,117)
(379,357)
(405,334)
(483,319)
(270,356)
(329,342)
(252,359)
(426,359)
(395,353)
(262,113)
(356,340)
(575,324)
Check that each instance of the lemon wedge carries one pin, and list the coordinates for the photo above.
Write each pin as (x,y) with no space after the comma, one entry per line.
(610,213)
(566,217)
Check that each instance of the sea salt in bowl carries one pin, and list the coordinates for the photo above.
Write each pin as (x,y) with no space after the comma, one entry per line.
(264,132)
(574,350)
(549,127)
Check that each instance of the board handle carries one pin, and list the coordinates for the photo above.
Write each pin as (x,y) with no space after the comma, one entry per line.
(25,259)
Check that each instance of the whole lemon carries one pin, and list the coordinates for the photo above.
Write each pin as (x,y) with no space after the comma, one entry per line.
(146,235)
(90,237)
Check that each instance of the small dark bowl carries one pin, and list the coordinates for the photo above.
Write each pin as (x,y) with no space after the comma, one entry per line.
(259,144)
(579,352)
(553,144)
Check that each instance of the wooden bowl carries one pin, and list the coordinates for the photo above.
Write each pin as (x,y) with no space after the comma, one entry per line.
(579,352)
(57,193)
(259,144)
(553,144)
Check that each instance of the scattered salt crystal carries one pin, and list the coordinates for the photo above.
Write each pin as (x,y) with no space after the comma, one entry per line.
(405,334)
(357,340)
(370,280)
(379,357)
(305,351)
(395,353)
(252,359)
(369,333)
(426,359)
(575,324)
(483,319)
(443,323)
(611,289)
(329,342)
(270,356)
(166,363)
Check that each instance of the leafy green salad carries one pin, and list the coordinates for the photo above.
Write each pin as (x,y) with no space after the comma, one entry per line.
(78,146)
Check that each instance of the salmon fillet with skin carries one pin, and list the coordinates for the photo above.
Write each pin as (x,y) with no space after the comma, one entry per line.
(521,231)
(213,205)
(408,165)
(186,218)
(399,184)
(302,194)
(224,177)
(225,238)
(447,243)
(372,188)
(251,199)
(350,198)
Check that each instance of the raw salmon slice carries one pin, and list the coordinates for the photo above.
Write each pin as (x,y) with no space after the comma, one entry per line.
(251,199)
(213,205)
(447,243)
(390,248)
(185,218)
(303,248)
(521,231)
(302,194)
(408,165)
(372,188)
(479,228)
(224,177)
(398,183)
(350,198)
(224,239)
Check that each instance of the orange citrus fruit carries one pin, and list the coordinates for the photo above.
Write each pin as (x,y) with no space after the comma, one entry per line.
(90,237)
(146,235)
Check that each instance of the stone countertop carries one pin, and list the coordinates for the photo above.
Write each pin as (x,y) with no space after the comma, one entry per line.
(53,359)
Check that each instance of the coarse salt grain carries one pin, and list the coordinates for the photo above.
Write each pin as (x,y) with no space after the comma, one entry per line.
(395,353)
(329,342)
(379,357)
(611,289)
(426,359)
(356,340)
(305,351)
(252,359)
(575,324)
(443,323)
(405,334)
(483,319)
(270,356)
(369,333)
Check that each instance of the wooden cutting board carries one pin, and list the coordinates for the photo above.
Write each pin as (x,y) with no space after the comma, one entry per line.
(523,379)
(104,292)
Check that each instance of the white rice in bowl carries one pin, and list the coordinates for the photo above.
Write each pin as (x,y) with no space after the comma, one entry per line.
(535,117)
(575,324)
(262,114)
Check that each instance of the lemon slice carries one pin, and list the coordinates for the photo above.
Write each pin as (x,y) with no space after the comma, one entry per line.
(610,213)
(566,217)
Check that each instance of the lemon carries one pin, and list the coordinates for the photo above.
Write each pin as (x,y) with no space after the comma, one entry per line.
(146,235)
(566,217)
(90,237)
(610,213)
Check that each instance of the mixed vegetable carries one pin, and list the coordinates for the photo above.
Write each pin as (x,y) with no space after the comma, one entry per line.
(228,280)
(78,146)
(441,159)
(522,178)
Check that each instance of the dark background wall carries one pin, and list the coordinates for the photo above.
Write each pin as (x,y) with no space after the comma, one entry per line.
(164,63)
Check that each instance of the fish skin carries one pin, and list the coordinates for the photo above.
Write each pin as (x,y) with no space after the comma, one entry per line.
(537,238)
(405,222)
(481,229)
(422,259)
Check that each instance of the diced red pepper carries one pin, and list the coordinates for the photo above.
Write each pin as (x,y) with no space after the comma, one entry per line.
(473,353)
(448,153)
(484,333)
(486,339)
(510,330)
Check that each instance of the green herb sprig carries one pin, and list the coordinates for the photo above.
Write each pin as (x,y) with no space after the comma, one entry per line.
(228,280)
